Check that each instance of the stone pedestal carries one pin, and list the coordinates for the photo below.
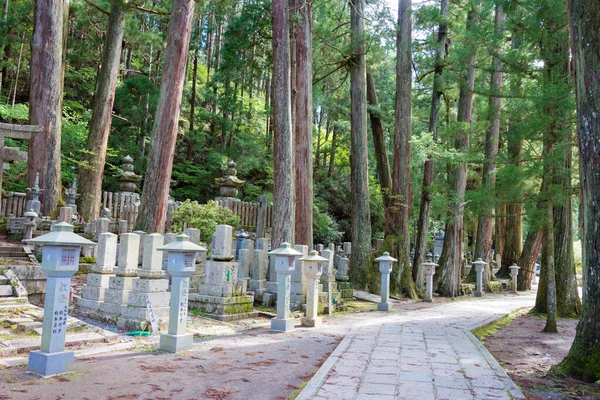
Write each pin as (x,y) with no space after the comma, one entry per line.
(385,267)
(151,288)
(284,266)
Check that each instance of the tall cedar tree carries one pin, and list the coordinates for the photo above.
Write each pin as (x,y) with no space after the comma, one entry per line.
(45,98)
(583,360)
(401,189)
(359,161)
(434,112)
(557,162)
(449,269)
(92,169)
(283,158)
(303,124)
(483,247)
(153,210)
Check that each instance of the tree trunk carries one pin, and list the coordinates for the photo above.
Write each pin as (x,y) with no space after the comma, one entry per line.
(402,134)
(381,156)
(359,162)
(153,210)
(45,99)
(92,169)
(4,70)
(423,221)
(583,360)
(303,125)
(528,259)
(483,244)
(283,172)
(548,240)
(449,269)
(333,149)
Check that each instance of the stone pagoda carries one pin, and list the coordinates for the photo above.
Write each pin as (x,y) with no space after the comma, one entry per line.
(229,183)
(128,179)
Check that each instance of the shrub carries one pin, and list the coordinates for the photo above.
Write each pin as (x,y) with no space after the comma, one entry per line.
(205,217)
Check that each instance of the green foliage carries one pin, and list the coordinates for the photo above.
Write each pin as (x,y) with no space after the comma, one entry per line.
(325,228)
(204,217)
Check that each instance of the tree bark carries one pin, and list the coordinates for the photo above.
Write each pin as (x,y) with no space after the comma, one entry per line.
(528,259)
(483,244)
(449,268)
(436,95)
(303,124)
(402,135)
(45,99)
(359,161)
(381,156)
(583,360)
(153,210)
(283,172)
(548,239)
(90,175)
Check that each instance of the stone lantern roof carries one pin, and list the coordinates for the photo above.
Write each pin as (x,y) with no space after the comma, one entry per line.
(62,235)
(182,244)
(385,257)
(285,250)
(314,257)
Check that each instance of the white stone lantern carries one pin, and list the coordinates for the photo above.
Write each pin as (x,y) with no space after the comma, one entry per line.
(429,272)
(385,267)
(479,266)
(181,264)
(285,258)
(29,224)
(313,269)
(60,260)
(514,271)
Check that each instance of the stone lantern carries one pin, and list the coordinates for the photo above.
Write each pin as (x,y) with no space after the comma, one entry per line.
(385,267)
(181,264)
(60,260)
(313,269)
(29,224)
(429,272)
(284,261)
(479,266)
(514,271)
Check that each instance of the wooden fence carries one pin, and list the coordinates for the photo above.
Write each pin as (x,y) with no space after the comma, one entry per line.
(248,212)
(14,205)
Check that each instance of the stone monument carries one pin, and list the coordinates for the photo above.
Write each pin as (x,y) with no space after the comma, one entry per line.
(128,179)
(60,260)
(34,196)
(479,266)
(92,294)
(71,195)
(429,271)
(222,295)
(229,183)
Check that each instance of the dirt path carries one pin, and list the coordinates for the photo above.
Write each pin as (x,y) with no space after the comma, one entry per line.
(254,364)
(527,353)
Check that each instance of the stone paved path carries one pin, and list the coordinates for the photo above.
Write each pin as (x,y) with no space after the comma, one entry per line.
(426,354)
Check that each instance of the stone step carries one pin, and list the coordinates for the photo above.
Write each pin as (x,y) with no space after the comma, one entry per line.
(18,320)
(12,301)
(14,347)
(6,290)
(4,280)
(29,326)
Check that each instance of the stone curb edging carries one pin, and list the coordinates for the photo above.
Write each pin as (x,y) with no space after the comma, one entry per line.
(315,383)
